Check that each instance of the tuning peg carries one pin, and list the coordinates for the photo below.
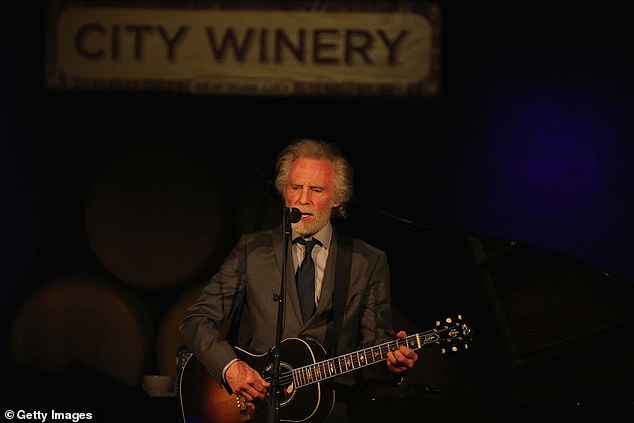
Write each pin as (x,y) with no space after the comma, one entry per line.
(448,320)
(437,323)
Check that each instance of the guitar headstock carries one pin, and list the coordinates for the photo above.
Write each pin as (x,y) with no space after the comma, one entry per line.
(455,332)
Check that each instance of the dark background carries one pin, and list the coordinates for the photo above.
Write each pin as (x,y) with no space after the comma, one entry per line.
(529,140)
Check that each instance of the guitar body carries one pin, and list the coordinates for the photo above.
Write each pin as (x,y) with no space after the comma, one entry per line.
(204,400)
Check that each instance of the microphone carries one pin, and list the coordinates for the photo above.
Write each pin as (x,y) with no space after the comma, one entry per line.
(294,215)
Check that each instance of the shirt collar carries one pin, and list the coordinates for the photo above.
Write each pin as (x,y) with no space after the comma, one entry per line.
(324,235)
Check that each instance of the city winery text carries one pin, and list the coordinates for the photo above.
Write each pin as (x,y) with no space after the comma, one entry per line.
(322,46)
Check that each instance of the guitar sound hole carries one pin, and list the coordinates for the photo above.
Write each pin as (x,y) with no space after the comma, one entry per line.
(287,387)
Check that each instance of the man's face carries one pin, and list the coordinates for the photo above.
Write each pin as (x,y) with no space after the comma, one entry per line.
(311,188)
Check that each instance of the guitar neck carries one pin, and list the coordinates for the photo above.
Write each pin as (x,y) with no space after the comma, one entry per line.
(346,363)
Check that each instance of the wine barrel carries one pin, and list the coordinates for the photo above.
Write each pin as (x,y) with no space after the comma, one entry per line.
(154,216)
(87,319)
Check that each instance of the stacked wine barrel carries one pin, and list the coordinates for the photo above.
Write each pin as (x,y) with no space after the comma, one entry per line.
(154,217)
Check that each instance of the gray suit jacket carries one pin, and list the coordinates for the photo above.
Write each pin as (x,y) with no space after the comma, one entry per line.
(252,273)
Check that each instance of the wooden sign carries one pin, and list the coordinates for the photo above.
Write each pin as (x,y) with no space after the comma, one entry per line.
(331,49)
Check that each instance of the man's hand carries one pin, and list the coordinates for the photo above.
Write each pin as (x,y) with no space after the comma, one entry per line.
(246,383)
(402,358)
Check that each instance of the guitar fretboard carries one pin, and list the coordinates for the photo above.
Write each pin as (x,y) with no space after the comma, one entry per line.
(336,366)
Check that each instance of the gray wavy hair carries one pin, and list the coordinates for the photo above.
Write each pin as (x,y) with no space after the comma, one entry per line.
(316,149)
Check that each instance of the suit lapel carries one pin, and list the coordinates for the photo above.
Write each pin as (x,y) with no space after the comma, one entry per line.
(328,286)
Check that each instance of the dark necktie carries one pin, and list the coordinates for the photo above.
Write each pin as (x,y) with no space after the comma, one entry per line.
(306,280)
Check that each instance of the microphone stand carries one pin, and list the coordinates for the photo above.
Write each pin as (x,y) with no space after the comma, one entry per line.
(290,216)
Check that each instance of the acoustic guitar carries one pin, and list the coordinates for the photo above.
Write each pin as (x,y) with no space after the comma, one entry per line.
(304,396)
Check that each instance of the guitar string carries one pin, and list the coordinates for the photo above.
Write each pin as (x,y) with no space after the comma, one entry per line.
(343,362)
(383,349)
(286,377)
